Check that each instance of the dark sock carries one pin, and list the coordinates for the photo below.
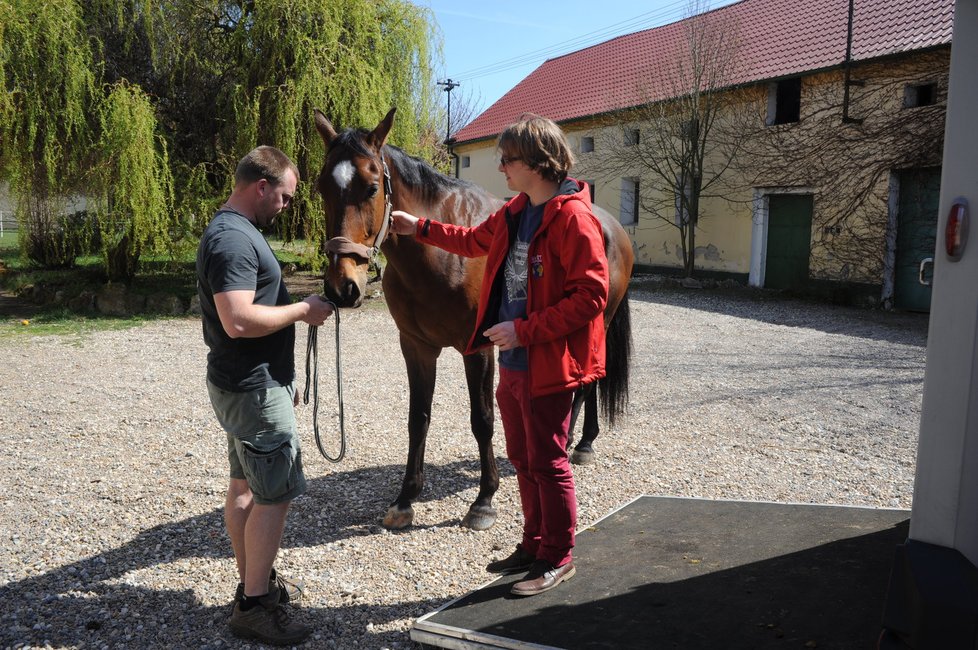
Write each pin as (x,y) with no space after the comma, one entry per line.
(247,602)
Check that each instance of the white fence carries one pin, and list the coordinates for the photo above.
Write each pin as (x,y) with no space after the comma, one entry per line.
(8,223)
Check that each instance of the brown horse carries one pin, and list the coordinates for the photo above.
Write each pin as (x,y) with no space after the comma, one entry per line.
(433,295)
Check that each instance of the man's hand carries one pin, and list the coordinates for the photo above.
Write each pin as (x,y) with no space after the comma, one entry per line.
(319,310)
(503,335)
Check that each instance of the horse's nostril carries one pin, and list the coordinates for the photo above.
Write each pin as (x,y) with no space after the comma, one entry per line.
(351,292)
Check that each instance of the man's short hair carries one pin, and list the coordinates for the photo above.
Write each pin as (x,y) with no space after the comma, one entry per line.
(264,162)
(540,144)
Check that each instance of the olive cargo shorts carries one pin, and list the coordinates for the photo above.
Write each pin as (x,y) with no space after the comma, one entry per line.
(263,445)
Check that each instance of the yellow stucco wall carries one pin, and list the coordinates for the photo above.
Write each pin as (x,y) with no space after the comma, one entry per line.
(483,162)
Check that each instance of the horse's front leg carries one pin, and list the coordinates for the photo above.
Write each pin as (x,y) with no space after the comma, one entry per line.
(479,375)
(421,360)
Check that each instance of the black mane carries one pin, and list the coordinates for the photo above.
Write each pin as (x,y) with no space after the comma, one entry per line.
(416,174)
(422,177)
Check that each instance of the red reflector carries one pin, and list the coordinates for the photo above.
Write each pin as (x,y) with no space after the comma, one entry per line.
(956,230)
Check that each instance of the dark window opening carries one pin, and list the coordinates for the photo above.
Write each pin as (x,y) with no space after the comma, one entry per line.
(787,102)
(920,95)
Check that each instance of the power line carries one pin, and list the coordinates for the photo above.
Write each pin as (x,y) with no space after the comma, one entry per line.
(672,10)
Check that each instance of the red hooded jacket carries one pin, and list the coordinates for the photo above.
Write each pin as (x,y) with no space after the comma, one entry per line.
(567,285)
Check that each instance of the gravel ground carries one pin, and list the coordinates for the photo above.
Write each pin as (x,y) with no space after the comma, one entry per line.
(111,532)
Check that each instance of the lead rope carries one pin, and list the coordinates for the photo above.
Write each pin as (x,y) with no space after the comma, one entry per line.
(312,361)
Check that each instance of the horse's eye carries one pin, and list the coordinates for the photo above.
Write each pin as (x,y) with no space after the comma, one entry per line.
(372,191)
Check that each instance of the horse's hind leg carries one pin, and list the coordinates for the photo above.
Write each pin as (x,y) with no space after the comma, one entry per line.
(479,374)
(421,363)
(576,405)
(583,453)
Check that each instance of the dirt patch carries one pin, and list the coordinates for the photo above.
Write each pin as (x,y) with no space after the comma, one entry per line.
(303,283)
(13,306)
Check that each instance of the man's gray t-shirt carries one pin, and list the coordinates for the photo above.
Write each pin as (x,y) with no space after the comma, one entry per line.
(234,255)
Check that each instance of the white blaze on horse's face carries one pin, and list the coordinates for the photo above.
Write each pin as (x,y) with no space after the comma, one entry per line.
(343,174)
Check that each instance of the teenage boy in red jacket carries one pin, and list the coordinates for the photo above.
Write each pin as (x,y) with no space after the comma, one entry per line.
(541,304)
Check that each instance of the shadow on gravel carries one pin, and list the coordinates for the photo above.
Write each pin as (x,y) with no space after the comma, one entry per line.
(101,602)
(355,502)
(775,308)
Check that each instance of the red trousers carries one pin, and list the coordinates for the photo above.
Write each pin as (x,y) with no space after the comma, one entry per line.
(536,440)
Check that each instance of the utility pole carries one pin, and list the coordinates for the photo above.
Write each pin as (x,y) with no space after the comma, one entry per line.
(449,86)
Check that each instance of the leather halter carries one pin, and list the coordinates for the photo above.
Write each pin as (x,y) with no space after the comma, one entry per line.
(343,246)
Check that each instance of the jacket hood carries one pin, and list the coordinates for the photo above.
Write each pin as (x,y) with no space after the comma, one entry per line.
(569,190)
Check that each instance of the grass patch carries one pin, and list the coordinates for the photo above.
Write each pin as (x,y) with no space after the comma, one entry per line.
(10,250)
(10,239)
(63,322)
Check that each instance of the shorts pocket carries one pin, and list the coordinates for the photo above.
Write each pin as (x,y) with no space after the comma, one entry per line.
(271,475)
(273,409)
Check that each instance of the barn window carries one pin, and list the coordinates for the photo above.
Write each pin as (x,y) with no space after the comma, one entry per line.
(784,101)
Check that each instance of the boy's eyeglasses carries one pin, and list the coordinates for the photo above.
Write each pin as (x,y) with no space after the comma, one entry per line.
(503,160)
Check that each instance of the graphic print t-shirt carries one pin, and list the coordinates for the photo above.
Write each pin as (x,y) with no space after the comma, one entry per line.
(515,272)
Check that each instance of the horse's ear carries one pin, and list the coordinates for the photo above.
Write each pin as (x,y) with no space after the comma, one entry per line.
(379,135)
(325,129)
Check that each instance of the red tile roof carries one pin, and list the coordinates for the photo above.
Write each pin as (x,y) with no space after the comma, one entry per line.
(777,38)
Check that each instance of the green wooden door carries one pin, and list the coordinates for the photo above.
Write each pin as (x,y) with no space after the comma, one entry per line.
(789,241)
(920,194)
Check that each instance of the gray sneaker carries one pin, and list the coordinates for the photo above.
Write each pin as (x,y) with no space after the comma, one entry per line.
(269,622)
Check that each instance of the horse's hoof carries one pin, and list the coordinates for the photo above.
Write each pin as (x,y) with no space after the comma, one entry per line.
(479,518)
(582,457)
(397,518)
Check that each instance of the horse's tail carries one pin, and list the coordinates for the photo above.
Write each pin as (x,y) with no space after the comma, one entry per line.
(613,387)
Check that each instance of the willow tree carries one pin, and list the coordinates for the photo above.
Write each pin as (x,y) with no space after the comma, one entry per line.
(70,140)
(353,59)
(218,76)
(49,87)
(132,182)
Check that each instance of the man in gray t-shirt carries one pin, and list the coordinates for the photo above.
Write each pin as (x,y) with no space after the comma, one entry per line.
(249,327)
(233,255)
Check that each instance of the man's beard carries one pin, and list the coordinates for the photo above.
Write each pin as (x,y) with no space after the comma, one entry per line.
(266,224)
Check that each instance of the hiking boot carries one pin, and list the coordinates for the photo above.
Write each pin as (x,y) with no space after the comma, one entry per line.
(542,577)
(520,560)
(268,622)
(288,591)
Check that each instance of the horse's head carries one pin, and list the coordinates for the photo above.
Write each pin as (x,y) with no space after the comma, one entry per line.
(356,190)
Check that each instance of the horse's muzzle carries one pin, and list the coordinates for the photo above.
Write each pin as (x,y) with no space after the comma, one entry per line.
(346,293)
